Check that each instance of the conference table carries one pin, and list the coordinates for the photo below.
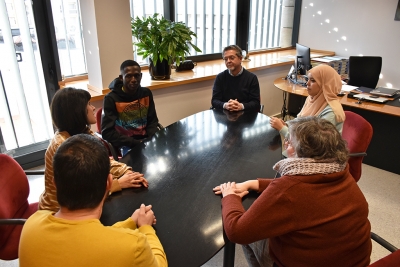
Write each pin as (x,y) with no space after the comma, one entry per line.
(183,162)
(384,118)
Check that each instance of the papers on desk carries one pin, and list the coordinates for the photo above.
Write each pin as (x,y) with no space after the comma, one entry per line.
(348,88)
(323,59)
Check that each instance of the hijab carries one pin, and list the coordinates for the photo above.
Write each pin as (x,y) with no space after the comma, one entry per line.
(330,83)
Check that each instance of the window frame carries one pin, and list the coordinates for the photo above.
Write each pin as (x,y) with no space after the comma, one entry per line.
(242,27)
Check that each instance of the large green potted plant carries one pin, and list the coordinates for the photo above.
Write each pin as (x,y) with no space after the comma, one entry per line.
(163,42)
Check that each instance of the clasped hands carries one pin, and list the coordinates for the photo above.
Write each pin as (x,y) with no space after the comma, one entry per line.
(229,188)
(233,105)
(144,216)
(132,179)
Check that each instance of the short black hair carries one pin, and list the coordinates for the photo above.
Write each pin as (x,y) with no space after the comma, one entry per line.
(81,166)
(69,110)
(128,63)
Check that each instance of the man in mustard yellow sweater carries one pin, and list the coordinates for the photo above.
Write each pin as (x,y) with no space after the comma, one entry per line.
(74,236)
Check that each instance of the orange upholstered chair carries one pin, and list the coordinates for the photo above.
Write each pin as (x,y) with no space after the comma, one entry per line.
(14,206)
(358,134)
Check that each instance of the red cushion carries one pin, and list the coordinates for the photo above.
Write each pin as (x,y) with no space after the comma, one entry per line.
(392,260)
(14,192)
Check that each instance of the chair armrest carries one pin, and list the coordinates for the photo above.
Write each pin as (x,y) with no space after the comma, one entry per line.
(109,147)
(383,242)
(159,126)
(12,221)
(32,172)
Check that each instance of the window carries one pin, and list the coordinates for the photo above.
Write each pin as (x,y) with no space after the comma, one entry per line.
(265,25)
(261,24)
(214,22)
(67,24)
(142,8)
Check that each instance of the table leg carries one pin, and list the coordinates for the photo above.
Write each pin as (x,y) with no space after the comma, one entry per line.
(229,253)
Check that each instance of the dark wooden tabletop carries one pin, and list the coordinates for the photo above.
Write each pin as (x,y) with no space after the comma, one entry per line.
(182,163)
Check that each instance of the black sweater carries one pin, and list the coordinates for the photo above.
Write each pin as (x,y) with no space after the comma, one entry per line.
(244,88)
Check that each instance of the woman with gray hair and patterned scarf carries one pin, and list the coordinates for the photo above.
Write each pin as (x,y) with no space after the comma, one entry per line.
(313,215)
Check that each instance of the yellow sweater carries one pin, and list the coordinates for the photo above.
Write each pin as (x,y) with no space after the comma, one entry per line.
(50,241)
(48,199)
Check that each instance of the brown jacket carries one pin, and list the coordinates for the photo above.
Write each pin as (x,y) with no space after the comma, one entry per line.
(313,220)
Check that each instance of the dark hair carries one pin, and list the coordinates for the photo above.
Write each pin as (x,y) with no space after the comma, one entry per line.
(128,63)
(69,110)
(81,166)
(237,49)
(317,138)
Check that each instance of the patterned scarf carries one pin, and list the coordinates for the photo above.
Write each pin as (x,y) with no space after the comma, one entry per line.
(307,166)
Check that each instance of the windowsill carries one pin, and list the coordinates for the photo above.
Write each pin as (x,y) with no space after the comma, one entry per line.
(208,70)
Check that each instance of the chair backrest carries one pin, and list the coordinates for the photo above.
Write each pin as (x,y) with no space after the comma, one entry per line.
(98,119)
(364,71)
(358,134)
(14,192)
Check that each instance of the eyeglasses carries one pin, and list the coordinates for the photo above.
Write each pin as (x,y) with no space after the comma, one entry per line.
(231,58)
(286,142)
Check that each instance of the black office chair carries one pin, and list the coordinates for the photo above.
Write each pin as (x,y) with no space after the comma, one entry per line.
(364,71)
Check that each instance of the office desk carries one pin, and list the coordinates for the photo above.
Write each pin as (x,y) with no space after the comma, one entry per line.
(384,118)
(182,163)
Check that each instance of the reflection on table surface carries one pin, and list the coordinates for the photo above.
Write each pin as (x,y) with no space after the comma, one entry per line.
(182,163)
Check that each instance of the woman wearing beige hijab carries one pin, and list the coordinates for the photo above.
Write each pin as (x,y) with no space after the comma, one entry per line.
(323,85)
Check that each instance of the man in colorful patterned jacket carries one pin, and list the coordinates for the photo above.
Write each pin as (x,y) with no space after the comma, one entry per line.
(129,113)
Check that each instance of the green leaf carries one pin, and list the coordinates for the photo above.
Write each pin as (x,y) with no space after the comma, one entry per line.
(159,38)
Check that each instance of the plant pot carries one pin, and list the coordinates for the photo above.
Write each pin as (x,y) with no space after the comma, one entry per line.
(162,71)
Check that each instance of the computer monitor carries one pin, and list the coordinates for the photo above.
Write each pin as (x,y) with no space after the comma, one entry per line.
(303,59)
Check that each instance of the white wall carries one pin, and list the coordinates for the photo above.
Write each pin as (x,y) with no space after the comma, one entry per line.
(107,37)
(368,25)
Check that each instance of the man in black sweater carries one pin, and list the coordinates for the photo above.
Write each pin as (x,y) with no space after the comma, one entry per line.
(235,88)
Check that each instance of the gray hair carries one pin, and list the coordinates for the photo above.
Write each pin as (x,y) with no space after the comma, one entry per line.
(236,48)
(317,138)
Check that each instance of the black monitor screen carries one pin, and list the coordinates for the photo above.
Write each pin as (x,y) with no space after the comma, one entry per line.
(303,59)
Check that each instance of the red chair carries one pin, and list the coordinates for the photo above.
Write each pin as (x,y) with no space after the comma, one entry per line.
(358,134)
(14,206)
(391,260)
(112,152)
(98,119)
